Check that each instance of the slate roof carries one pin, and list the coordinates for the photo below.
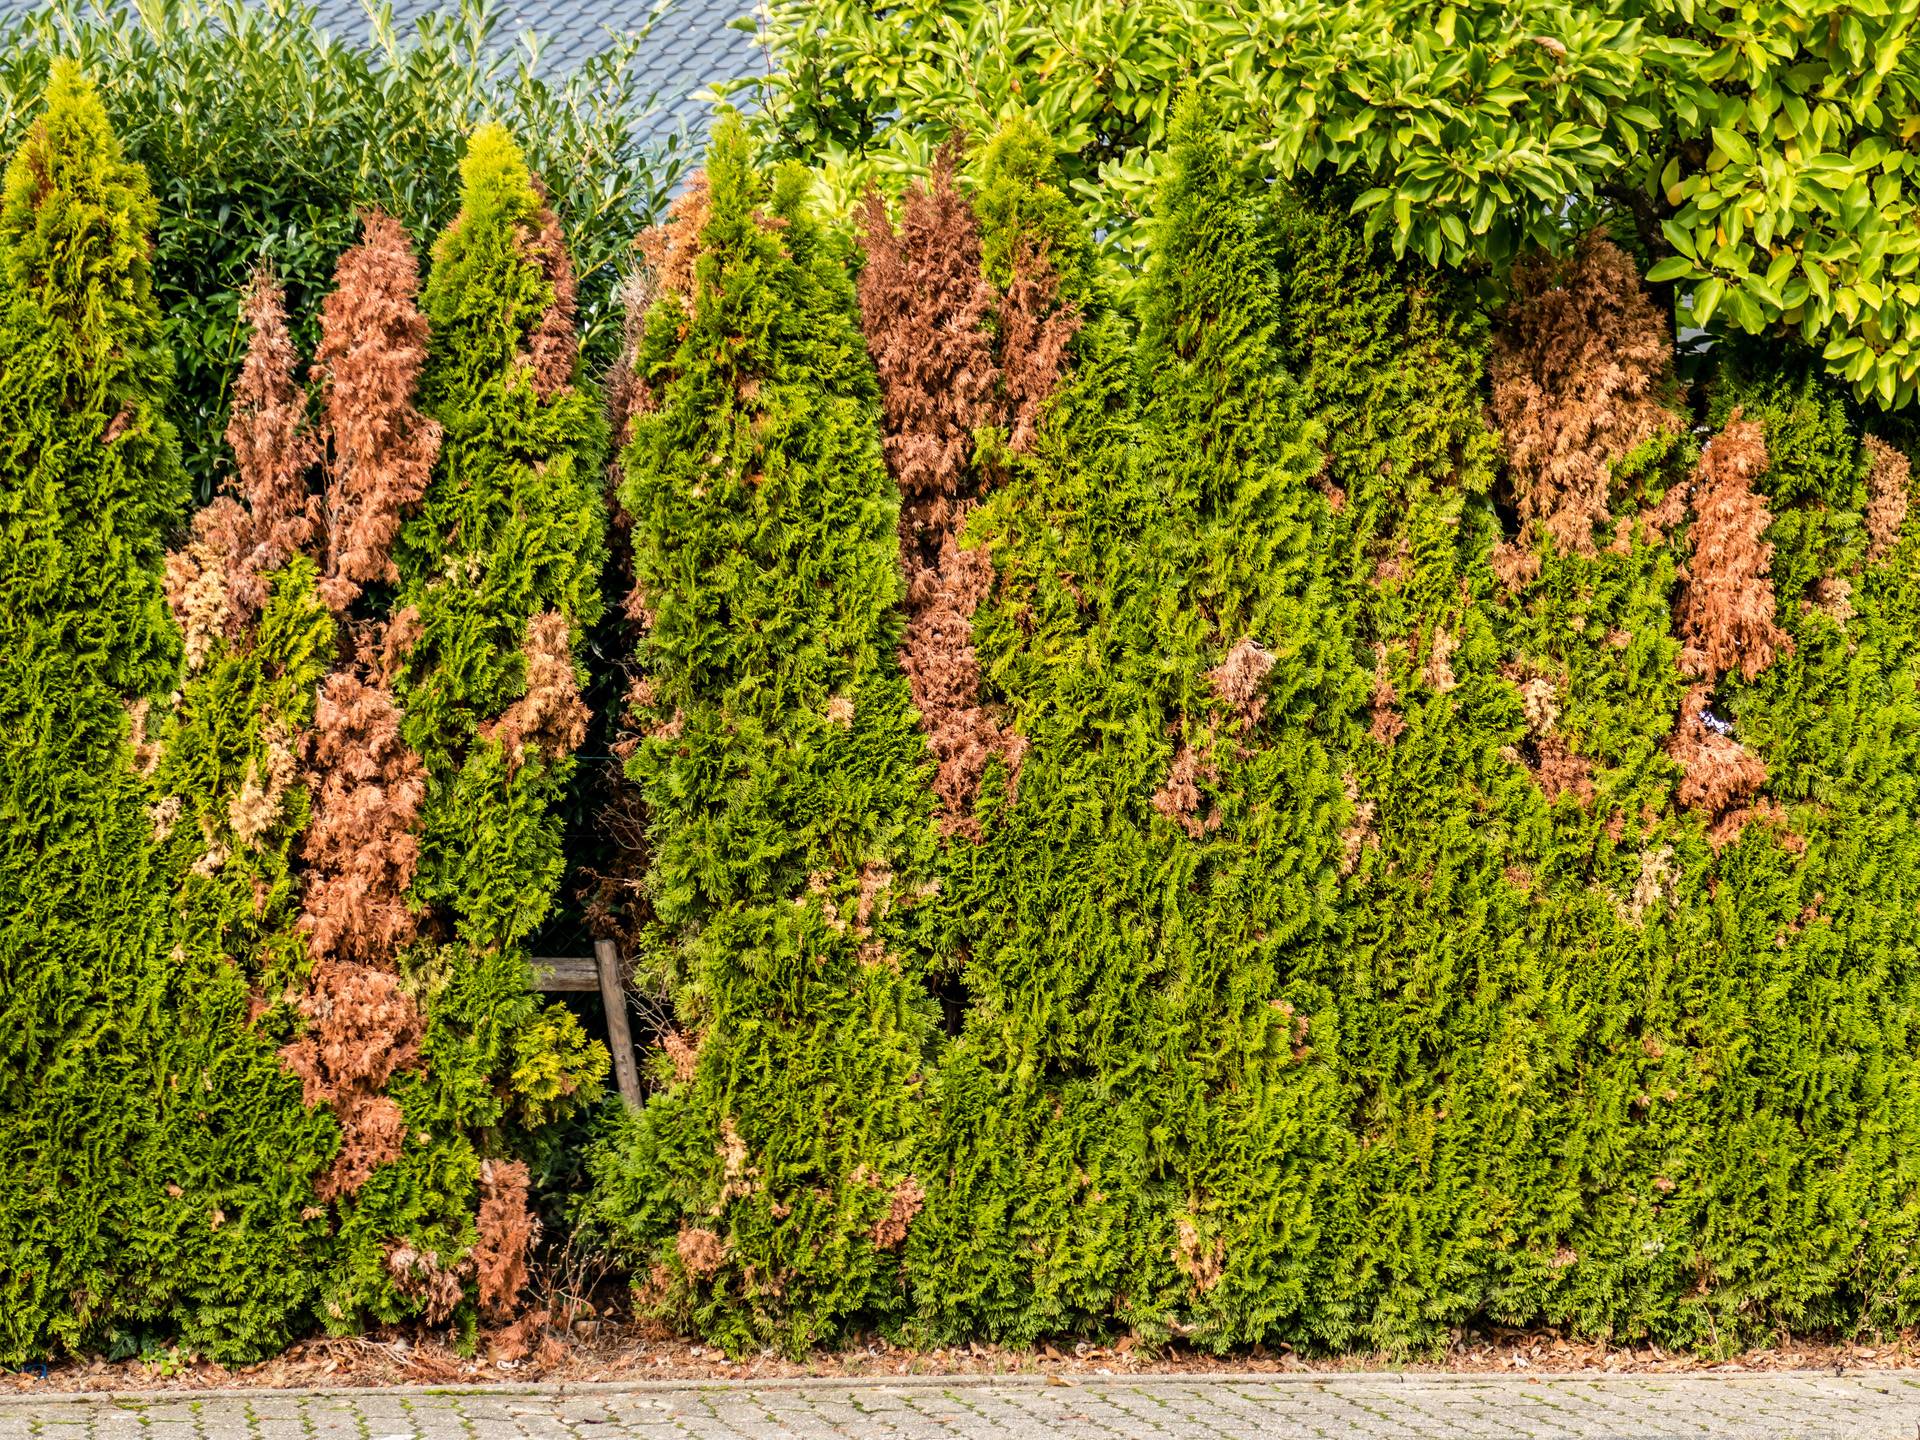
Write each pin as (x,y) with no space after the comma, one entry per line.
(689,46)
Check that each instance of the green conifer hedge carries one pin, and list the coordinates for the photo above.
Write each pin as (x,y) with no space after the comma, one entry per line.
(1298,811)
(1441,844)
(239,1098)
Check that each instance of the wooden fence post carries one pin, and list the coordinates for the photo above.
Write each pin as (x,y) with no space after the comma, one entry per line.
(613,991)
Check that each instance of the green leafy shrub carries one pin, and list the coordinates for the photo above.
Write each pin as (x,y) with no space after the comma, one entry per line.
(1471,129)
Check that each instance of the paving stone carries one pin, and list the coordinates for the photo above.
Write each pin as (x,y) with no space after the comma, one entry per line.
(1864,1407)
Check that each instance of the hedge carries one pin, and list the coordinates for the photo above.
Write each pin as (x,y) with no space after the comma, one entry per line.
(1416,834)
(1263,799)
(272,1061)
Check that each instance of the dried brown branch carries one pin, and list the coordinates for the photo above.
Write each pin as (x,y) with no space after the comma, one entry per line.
(1579,366)
(1726,603)
(379,448)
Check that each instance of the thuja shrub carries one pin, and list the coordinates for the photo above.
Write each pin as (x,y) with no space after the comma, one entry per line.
(153,1153)
(1589,955)
(764,1193)
(1130,1126)
(496,544)
(269,1067)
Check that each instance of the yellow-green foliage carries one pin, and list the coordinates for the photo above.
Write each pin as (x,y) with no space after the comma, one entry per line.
(153,1156)
(512,526)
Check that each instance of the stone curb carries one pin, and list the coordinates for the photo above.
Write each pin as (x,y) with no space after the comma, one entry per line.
(563,1389)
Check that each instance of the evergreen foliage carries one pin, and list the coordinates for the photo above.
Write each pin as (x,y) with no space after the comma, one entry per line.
(153,1154)
(1428,875)
(765,1190)
(495,574)
(232,1104)
(510,530)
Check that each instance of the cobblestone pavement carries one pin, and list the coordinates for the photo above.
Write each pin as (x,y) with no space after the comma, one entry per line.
(1864,1407)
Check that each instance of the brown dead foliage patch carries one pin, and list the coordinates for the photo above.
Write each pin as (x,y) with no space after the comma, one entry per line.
(419,1275)
(1387,724)
(1579,365)
(628,394)
(378,449)
(684,1053)
(198,580)
(670,249)
(550,716)
(905,1203)
(923,307)
(1720,776)
(1035,331)
(366,788)
(553,344)
(1237,680)
(1726,601)
(1514,566)
(1889,477)
(272,448)
(1202,1263)
(507,1232)
(702,1252)
(1180,798)
(1561,771)
(361,1029)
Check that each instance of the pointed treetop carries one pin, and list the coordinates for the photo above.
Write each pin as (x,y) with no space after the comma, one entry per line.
(1022,206)
(75,215)
(496,186)
(1208,269)
(489,288)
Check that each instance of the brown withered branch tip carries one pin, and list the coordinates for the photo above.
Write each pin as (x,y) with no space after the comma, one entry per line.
(669,250)
(684,1053)
(923,302)
(361,1029)
(1034,334)
(702,1252)
(1726,602)
(667,253)
(1236,681)
(1720,777)
(905,1203)
(553,345)
(217,583)
(1888,478)
(198,579)
(378,448)
(367,788)
(1180,798)
(550,716)
(419,1275)
(272,449)
(1387,724)
(1578,368)
(507,1231)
